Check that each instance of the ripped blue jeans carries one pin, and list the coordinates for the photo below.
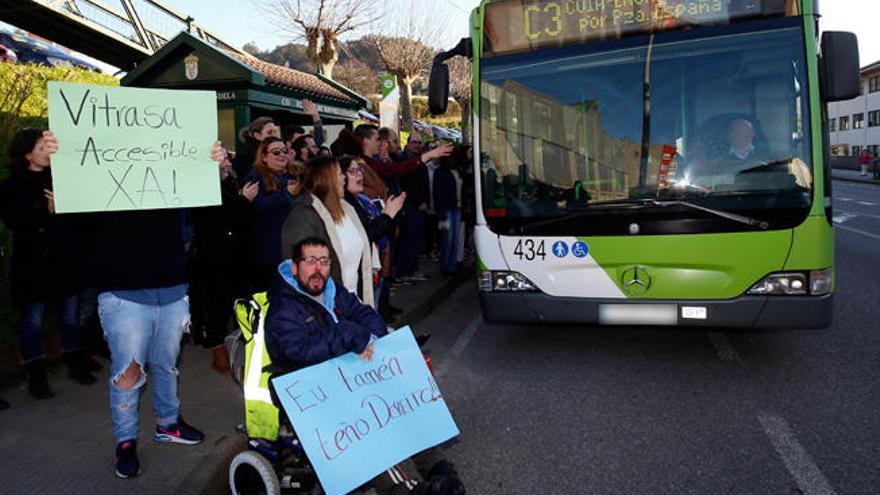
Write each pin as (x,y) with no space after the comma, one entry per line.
(149,337)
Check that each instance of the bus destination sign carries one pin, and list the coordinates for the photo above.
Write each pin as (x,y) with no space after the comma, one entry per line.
(524,25)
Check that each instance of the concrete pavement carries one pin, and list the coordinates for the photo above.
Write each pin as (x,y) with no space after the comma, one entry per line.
(854,176)
(64,445)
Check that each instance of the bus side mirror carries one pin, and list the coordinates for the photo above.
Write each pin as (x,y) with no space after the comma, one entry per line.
(438,89)
(839,67)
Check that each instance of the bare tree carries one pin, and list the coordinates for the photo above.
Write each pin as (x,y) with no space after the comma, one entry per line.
(407,54)
(461,87)
(320,23)
(357,76)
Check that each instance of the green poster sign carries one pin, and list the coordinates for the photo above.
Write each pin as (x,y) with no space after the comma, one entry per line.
(132,148)
(389,82)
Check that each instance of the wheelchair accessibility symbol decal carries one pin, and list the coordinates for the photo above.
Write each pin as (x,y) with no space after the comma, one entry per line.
(580,249)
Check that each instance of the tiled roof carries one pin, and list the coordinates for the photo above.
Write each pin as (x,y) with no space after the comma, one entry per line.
(285,77)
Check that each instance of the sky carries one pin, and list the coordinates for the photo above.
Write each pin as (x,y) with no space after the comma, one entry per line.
(239,23)
(250,25)
(859,16)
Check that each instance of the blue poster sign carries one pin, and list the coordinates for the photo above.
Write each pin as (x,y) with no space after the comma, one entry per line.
(357,418)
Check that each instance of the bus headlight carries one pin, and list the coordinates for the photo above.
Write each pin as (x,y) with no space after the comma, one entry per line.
(781,284)
(816,283)
(503,281)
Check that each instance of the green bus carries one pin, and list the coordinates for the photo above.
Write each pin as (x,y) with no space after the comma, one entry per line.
(656,162)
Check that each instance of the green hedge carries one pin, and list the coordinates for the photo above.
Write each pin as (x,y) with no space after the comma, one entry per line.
(24,103)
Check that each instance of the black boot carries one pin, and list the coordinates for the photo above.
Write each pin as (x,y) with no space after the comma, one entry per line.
(78,367)
(446,476)
(3,405)
(439,485)
(38,383)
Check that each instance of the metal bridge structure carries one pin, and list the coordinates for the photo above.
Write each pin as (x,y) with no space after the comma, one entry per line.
(121,33)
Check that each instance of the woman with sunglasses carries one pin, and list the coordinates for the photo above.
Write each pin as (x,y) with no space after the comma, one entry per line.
(325,215)
(277,189)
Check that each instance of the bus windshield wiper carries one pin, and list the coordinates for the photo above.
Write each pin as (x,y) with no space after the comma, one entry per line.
(643,202)
(766,165)
(751,222)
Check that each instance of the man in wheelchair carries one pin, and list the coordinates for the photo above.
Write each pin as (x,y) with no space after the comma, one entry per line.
(312,319)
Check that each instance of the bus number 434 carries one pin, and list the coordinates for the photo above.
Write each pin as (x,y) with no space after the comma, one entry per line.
(530,250)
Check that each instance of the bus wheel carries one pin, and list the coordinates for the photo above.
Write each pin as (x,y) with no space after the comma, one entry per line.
(252,474)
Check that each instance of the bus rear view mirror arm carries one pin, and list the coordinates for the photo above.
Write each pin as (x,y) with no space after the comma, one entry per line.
(438,85)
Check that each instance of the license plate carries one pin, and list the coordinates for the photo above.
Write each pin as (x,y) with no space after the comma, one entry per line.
(638,314)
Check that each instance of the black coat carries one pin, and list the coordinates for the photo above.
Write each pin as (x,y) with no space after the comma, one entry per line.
(221,233)
(377,227)
(48,253)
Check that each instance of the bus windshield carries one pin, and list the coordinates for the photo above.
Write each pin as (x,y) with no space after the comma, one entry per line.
(716,116)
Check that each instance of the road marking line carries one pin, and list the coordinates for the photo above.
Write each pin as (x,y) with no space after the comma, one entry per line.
(866,203)
(854,214)
(723,347)
(857,231)
(459,346)
(809,478)
(842,217)
(845,199)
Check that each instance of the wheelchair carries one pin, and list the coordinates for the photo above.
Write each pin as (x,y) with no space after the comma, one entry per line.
(275,461)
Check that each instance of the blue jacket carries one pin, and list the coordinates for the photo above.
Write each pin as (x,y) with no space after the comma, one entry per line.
(300,331)
(268,213)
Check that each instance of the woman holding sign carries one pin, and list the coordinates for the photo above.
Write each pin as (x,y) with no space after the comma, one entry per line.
(47,261)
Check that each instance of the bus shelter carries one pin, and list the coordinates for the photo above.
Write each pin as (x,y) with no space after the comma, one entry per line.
(246,87)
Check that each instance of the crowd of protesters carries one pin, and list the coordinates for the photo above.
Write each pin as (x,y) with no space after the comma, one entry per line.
(380,208)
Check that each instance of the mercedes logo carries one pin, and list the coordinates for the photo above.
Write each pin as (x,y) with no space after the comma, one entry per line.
(635,280)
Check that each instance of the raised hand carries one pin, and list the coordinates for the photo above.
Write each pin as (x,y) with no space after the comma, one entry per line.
(50,197)
(250,190)
(218,154)
(311,109)
(394,204)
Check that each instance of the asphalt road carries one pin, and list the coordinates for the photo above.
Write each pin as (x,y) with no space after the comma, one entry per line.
(573,409)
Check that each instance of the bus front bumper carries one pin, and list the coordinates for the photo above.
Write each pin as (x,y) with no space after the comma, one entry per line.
(789,312)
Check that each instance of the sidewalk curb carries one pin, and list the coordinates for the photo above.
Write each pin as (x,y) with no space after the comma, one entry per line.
(870,182)
(417,313)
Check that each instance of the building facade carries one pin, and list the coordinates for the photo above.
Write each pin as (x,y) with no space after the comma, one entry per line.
(854,125)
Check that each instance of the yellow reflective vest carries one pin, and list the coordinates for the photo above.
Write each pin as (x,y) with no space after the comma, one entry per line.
(261,416)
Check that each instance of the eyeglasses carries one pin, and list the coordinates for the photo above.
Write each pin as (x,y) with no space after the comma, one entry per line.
(313,260)
(356,170)
(278,151)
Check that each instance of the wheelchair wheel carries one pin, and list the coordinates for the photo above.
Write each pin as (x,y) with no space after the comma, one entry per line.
(252,474)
